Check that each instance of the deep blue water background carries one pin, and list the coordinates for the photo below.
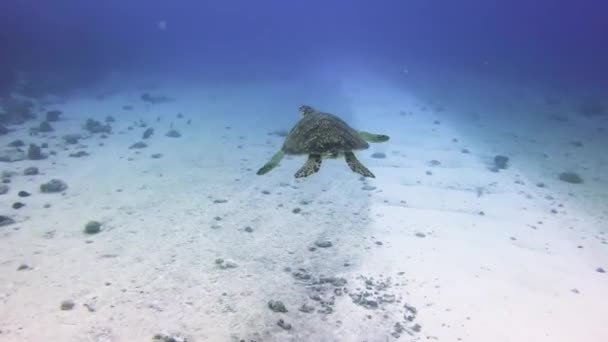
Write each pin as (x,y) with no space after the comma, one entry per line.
(543,40)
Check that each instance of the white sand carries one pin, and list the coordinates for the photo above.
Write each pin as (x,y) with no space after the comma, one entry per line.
(507,275)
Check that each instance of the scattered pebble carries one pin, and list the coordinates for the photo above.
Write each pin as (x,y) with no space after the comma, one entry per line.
(296,210)
(5,221)
(31,171)
(92,227)
(148,133)
(34,152)
(18,205)
(379,155)
(4,189)
(173,134)
(323,243)
(225,264)
(67,305)
(277,306)
(138,145)
(368,188)
(570,177)
(600,270)
(420,235)
(249,229)
(53,186)
(156,155)
(501,162)
(283,325)
(165,337)
(23,267)
(219,201)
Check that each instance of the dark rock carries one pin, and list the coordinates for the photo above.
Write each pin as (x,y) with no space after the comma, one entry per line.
(23,194)
(72,138)
(67,305)
(146,97)
(379,155)
(156,155)
(4,189)
(570,177)
(148,133)
(173,134)
(45,127)
(219,201)
(53,186)
(277,306)
(165,337)
(420,235)
(296,210)
(323,244)
(92,227)
(94,126)
(5,221)
(34,152)
(600,270)
(31,171)
(53,115)
(79,154)
(109,119)
(283,325)
(501,162)
(16,143)
(23,267)
(138,145)
(18,205)
(434,162)
(249,229)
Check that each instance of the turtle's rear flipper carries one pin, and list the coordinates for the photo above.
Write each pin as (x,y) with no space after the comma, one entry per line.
(312,165)
(276,158)
(356,165)
(373,138)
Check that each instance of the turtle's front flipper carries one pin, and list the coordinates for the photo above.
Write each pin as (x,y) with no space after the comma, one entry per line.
(272,163)
(356,165)
(372,137)
(312,165)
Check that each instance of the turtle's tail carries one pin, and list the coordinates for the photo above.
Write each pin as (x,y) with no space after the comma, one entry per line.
(373,138)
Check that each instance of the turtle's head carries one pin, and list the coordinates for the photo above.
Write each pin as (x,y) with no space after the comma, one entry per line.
(305,110)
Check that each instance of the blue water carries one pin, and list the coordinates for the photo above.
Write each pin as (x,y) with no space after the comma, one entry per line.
(442,245)
(539,41)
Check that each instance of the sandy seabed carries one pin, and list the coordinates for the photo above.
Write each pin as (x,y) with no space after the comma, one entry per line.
(195,245)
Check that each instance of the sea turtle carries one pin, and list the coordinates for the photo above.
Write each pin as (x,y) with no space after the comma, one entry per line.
(323,135)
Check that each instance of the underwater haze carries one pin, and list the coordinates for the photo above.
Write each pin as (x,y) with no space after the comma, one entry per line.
(397,170)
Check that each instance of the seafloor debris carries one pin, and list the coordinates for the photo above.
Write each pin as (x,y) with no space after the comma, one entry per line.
(138,145)
(34,152)
(54,185)
(500,163)
(92,227)
(277,306)
(173,134)
(31,171)
(94,126)
(379,155)
(570,177)
(148,133)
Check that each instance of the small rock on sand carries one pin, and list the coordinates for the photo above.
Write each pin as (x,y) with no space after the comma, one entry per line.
(54,185)
(277,306)
(67,305)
